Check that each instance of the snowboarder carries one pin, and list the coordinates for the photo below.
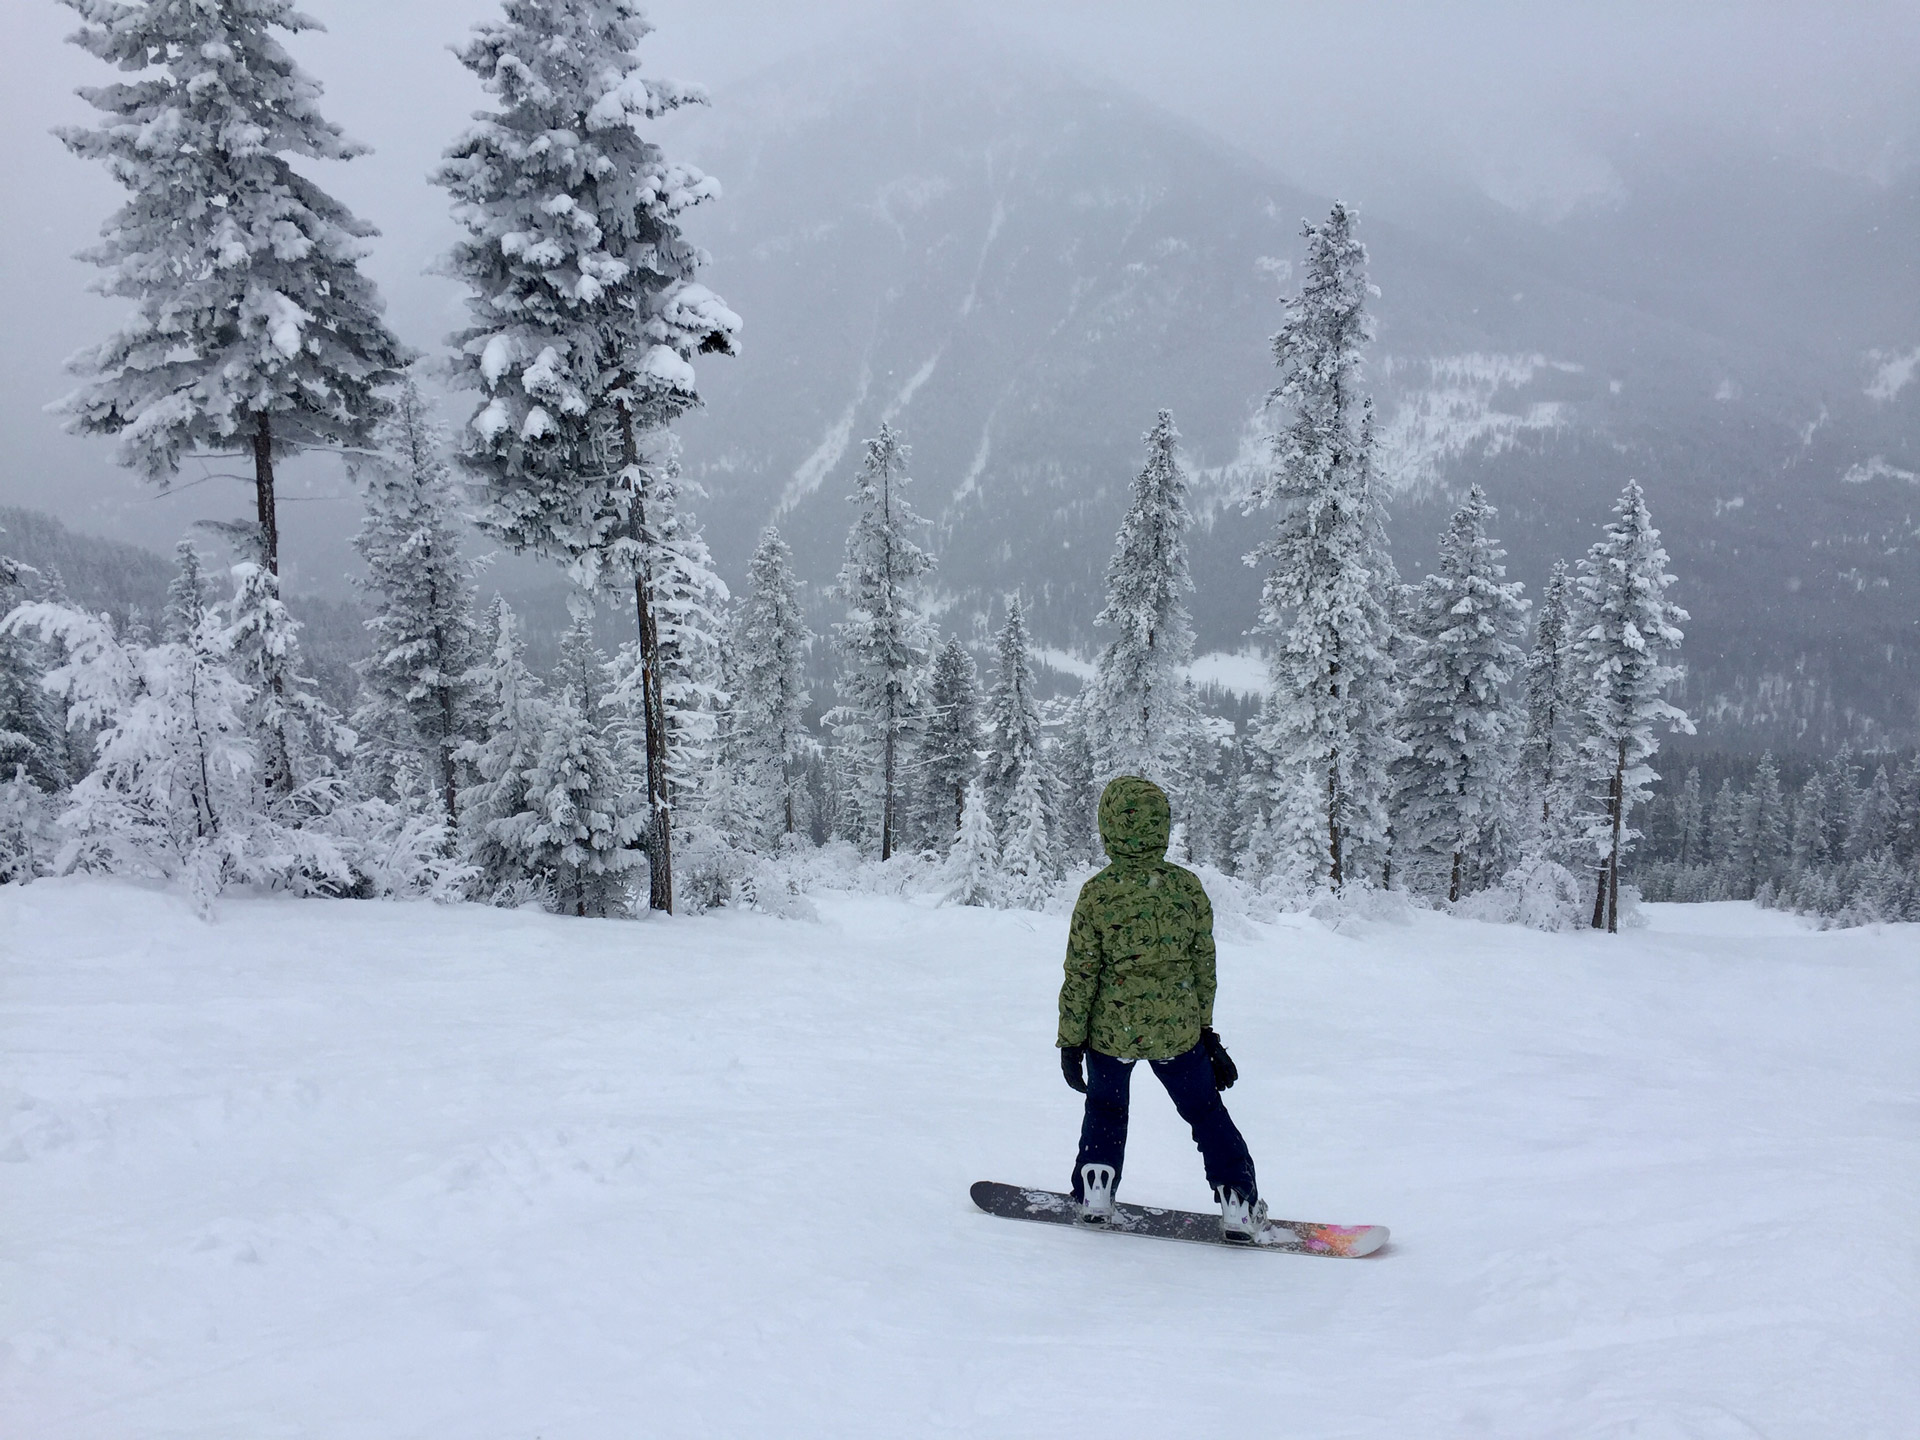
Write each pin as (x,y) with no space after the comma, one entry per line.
(1139,986)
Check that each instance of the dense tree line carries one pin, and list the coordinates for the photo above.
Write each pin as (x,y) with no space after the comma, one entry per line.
(1839,838)
(1446,736)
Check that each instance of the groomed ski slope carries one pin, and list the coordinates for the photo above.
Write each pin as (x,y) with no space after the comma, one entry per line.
(382,1170)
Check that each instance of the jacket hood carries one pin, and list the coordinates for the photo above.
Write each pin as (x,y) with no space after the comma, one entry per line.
(1135,819)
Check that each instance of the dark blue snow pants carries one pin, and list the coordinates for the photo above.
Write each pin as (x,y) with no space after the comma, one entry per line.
(1189,1082)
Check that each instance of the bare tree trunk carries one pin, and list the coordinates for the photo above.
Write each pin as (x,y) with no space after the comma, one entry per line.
(1337,873)
(1333,821)
(652,695)
(263,494)
(278,765)
(1619,821)
(886,795)
(1453,885)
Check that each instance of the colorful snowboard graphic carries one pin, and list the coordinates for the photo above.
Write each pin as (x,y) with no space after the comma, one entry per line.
(1286,1237)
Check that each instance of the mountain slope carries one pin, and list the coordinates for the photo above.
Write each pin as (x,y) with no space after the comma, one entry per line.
(1019,268)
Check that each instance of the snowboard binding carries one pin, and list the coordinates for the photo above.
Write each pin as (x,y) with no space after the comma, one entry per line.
(1096,1189)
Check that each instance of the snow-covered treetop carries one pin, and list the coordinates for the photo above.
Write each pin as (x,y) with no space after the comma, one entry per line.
(1628,627)
(1147,578)
(582,288)
(245,275)
(1319,349)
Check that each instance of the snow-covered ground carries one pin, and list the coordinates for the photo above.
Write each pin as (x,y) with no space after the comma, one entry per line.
(384,1170)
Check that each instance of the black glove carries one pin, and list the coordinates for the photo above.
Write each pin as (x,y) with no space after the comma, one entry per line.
(1225,1072)
(1073,1059)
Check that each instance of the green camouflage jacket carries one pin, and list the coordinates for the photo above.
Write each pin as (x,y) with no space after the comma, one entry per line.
(1140,975)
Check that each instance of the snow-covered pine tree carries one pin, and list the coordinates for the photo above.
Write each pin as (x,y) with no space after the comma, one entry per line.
(1455,719)
(884,642)
(682,686)
(1138,702)
(1906,825)
(581,821)
(32,730)
(188,595)
(1199,749)
(1325,601)
(1012,723)
(1874,818)
(301,738)
(1842,785)
(740,792)
(1807,845)
(771,641)
(1027,870)
(1076,779)
(516,720)
(973,865)
(172,792)
(1763,827)
(949,755)
(253,328)
(420,696)
(1625,627)
(586,313)
(1689,820)
(1546,782)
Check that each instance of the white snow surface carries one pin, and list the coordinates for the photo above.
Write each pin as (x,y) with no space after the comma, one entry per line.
(338,1169)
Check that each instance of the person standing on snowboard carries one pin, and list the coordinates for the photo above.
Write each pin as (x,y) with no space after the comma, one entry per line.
(1139,986)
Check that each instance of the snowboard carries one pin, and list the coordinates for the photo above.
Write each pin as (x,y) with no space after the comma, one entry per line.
(1285,1237)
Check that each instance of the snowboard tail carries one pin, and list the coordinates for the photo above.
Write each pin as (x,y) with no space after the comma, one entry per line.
(1286,1237)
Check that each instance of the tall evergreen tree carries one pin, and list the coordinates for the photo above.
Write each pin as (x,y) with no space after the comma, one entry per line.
(1625,628)
(1689,820)
(188,597)
(1027,871)
(421,702)
(689,609)
(770,704)
(1077,784)
(1325,601)
(1138,701)
(973,865)
(301,737)
(585,311)
(1807,846)
(581,821)
(1842,789)
(1874,818)
(1546,776)
(517,718)
(32,730)
(1763,826)
(1906,826)
(253,328)
(1455,720)
(1012,723)
(949,757)
(885,640)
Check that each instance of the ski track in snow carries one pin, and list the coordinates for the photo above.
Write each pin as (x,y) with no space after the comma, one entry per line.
(353,1169)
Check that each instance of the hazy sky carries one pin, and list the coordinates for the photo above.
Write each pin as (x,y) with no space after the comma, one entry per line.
(1357,97)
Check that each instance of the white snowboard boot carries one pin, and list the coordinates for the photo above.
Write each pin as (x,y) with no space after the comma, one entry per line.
(1240,1222)
(1096,1185)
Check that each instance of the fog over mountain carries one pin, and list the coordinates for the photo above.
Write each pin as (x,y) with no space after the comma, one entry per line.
(1621,244)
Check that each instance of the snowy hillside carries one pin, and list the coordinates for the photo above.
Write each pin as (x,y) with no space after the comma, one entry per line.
(1018,268)
(330,1169)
